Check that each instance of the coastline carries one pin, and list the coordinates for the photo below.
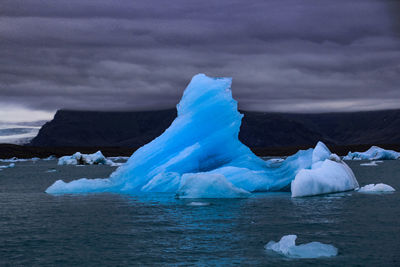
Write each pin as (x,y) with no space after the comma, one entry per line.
(25,151)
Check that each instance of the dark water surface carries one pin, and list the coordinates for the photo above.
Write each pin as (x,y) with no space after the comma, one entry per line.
(106,229)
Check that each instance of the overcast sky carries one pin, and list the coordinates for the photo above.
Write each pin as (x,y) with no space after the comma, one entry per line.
(283,55)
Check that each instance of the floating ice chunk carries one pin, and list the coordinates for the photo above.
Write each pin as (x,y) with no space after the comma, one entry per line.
(205,185)
(84,159)
(374,153)
(376,188)
(79,186)
(69,160)
(372,163)
(328,174)
(14,159)
(287,247)
(11,165)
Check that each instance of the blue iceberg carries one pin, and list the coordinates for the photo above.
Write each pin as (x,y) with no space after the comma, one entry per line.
(202,142)
(85,159)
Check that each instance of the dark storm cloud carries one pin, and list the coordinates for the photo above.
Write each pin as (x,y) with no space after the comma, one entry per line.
(127,55)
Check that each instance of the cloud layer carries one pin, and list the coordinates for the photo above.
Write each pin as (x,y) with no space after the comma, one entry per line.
(284,55)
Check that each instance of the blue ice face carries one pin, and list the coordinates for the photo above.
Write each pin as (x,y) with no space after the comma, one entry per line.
(202,139)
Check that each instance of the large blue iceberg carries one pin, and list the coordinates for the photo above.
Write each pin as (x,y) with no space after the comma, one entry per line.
(201,142)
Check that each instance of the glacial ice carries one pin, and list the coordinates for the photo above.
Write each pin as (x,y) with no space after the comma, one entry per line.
(287,247)
(85,159)
(200,149)
(199,185)
(376,188)
(14,159)
(11,165)
(328,174)
(374,153)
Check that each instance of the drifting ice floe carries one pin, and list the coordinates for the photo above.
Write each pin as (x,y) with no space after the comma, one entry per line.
(14,159)
(376,188)
(84,159)
(287,247)
(200,148)
(374,153)
(11,165)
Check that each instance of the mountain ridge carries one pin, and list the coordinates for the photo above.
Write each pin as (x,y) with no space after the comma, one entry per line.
(258,130)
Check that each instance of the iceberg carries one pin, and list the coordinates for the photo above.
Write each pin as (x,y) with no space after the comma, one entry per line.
(85,159)
(374,153)
(199,149)
(287,247)
(376,188)
(328,174)
(14,159)
(11,165)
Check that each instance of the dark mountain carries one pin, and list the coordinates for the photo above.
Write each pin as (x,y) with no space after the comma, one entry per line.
(92,128)
(259,130)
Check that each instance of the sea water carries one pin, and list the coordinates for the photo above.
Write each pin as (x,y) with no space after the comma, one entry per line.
(109,229)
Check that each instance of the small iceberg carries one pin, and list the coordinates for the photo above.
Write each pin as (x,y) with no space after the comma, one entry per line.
(287,247)
(376,188)
(374,153)
(14,159)
(11,165)
(328,174)
(85,159)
